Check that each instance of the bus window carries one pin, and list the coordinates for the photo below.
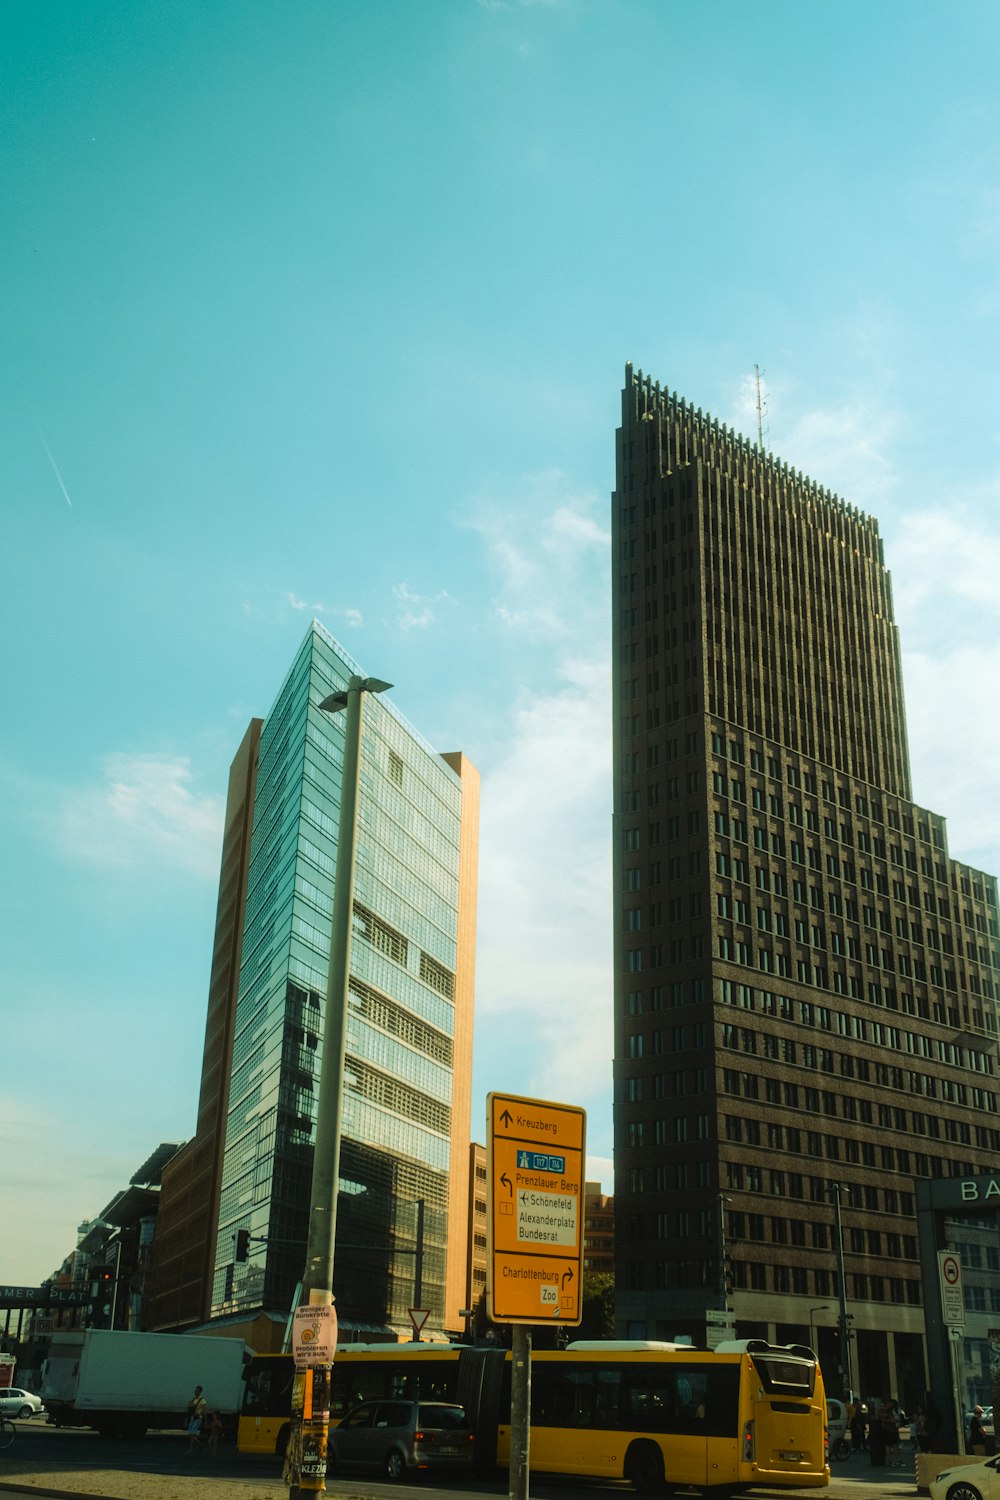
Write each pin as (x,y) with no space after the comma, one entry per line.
(269,1388)
(722,1401)
(649,1399)
(784,1374)
(607,1394)
(561,1396)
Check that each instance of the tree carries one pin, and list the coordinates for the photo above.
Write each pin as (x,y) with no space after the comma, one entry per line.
(598,1321)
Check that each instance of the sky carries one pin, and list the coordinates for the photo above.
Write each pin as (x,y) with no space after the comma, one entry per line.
(320,308)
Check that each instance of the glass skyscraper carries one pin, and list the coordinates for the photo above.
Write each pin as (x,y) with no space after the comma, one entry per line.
(404,1161)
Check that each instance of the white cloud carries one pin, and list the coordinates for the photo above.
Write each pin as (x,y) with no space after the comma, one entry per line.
(601,1169)
(550,555)
(943,558)
(945,565)
(953,713)
(143,810)
(417,611)
(300,604)
(544,987)
(544,982)
(848,447)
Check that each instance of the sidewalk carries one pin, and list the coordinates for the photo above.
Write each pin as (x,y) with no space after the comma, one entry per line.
(117,1484)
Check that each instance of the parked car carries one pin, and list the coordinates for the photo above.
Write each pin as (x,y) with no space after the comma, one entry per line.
(970,1482)
(401,1437)
(18,1403)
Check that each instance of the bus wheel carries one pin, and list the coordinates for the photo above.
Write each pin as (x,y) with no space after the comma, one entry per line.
(644,1468)
(281,1446)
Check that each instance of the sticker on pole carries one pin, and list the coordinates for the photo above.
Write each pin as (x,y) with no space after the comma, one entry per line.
(314,1336)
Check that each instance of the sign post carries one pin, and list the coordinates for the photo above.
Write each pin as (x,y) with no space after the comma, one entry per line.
(719,1326)
(535,1169)
(953,1317)
(536,1157)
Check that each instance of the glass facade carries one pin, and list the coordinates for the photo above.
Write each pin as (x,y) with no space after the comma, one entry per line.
(397,1106)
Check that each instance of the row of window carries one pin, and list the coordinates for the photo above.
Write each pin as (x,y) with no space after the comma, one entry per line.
(679,992)
(756,1276)
(970,883)
(867,807)
(669,1132)
(856,1028)
(791,1095)
(808,1055)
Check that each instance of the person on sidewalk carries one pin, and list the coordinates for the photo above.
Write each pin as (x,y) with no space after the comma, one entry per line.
(195,1418)
(858,1420)
(213,1432)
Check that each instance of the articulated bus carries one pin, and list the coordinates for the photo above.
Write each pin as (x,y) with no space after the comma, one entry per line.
(745,1414)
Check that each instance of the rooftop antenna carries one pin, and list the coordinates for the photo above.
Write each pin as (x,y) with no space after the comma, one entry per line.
(761,406)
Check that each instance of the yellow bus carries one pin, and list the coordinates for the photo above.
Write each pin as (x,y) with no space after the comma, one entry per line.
(660,1415)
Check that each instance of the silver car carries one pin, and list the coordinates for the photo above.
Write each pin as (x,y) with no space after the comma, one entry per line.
(401,1437)
(17,1403)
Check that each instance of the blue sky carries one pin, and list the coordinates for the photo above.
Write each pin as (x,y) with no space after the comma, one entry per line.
(322,309)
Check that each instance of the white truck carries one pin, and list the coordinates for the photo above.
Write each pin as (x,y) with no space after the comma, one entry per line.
(124,1383)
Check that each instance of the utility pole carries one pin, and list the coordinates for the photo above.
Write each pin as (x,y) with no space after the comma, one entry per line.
(843,1321)
(305,1464)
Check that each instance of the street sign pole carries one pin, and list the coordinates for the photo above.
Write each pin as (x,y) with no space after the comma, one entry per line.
(536,1158)
(520,1413)
(953,1317)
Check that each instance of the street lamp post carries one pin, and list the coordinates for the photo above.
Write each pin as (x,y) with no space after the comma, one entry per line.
(843,1321)
(306,1458)
(823,1307)
(724,1286)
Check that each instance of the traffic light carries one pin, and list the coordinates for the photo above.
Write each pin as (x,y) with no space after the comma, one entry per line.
(727,1275)
(242,1244)
(100,1296)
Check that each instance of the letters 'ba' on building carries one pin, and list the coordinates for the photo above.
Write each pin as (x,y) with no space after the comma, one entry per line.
(409,1037)
(806,982)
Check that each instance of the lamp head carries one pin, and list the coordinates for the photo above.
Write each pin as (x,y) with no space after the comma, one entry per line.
(336,701)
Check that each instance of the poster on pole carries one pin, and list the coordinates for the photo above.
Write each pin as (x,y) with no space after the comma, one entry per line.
(314,1336)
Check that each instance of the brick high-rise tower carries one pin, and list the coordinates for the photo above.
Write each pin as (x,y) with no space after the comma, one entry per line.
(806,983)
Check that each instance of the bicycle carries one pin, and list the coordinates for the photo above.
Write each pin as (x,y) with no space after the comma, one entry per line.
(7,1432)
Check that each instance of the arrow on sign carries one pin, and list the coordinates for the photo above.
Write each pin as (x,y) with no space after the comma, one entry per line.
(567,1276)
(507,1118)
(505,1180)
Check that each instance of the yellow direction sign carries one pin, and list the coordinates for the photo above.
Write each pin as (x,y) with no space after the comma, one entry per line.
(535,1166)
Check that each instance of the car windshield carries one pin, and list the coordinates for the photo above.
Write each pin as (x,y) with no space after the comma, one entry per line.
(443,1416)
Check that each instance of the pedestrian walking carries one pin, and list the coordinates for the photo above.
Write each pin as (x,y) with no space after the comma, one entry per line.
(196,1408)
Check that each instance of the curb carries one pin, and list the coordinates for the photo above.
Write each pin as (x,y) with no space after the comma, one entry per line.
(7,1488)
